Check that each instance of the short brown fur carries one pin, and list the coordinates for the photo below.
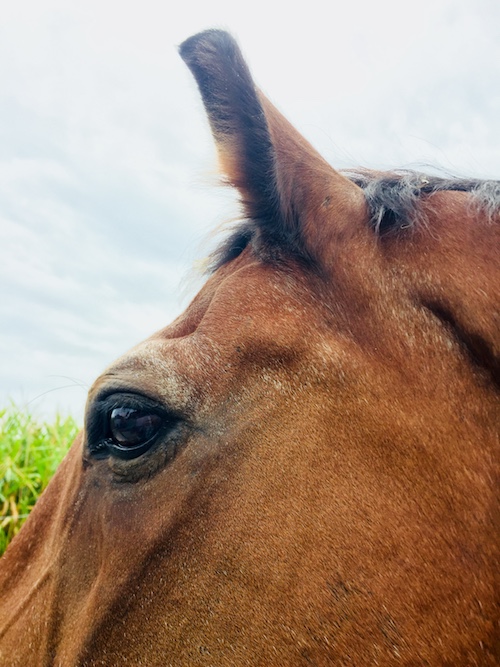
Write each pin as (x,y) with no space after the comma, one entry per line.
(328,494)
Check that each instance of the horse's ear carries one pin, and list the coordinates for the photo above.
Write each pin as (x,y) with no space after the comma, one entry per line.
(286,187)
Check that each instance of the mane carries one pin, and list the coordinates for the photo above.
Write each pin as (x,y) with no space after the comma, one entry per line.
(393,200)
(393,197)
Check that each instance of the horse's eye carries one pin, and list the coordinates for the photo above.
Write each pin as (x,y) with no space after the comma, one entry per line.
(131,428)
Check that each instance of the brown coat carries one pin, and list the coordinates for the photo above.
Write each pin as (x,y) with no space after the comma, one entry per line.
(303,468)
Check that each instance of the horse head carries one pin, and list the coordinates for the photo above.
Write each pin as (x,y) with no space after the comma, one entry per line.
(302,468)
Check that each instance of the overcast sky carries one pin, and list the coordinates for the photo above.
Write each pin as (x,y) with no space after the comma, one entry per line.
(106,160)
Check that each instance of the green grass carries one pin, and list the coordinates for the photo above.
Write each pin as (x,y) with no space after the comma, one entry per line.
(30,451)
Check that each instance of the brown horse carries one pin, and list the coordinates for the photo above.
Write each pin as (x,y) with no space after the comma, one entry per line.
(303,468)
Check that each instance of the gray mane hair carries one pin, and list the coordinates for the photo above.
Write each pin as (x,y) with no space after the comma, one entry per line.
(393,197)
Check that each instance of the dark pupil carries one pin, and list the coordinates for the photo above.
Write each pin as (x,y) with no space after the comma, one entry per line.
(130,427)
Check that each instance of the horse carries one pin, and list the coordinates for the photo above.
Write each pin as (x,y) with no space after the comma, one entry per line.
(302,469)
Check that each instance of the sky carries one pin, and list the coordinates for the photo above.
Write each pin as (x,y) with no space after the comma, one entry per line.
(108,188)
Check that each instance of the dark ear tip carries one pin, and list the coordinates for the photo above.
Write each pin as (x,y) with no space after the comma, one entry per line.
(206,42)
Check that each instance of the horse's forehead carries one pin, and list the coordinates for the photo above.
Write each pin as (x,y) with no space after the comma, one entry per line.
(246,305)
(250,298)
